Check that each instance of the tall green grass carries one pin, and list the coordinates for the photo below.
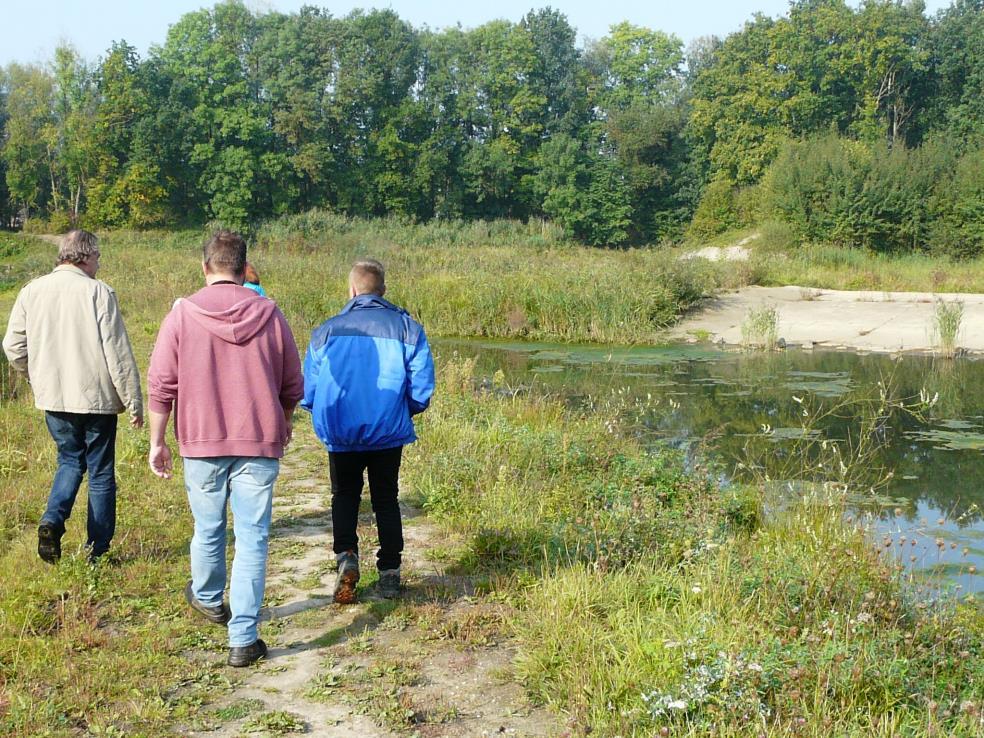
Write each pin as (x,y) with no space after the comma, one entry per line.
(657,603)
(780,258)
(640,581)
(947,321)
(499,279)
(760,327)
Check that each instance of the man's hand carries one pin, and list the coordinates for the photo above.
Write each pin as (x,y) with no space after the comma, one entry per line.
(136,421)
(289,419)
(160,461)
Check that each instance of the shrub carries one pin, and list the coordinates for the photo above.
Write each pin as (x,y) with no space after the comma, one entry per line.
(717,211)
(958,205)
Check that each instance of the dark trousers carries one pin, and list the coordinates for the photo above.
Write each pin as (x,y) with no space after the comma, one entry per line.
(85,443)
(346,492)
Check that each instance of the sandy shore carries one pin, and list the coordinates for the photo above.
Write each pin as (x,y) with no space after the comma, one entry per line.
(808,317)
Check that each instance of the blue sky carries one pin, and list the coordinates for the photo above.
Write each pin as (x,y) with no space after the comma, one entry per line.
(30,29)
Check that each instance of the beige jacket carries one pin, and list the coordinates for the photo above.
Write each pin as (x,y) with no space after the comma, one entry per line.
(67,333)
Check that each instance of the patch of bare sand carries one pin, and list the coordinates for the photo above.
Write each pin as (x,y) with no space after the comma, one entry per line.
(860,320)
(735,252)
(435,664)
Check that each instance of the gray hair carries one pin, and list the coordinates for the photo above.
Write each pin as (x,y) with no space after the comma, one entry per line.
(77,246)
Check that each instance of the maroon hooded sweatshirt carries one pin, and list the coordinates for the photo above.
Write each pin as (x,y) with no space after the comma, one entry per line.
(226,362)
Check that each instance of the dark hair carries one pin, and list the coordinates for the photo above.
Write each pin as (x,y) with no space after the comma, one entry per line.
(225,252)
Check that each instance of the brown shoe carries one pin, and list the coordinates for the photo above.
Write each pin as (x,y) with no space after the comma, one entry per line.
(218,614)
(348,577)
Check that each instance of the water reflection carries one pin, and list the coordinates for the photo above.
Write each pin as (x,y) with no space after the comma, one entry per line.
(723,400)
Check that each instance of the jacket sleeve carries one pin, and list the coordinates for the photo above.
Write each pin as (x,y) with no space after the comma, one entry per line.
(420,371)
(162,377)
(292,384)
(312,368)
(15,341)
(119,354)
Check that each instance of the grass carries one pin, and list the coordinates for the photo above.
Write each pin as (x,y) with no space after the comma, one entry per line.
(761,327)
(947,319)
(655,603)
(779,259)
(641,585)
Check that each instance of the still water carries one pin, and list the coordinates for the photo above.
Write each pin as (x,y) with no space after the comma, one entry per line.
(756,414)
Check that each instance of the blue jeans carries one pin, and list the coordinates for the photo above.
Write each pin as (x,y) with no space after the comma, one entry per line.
(247,484)
(85,443)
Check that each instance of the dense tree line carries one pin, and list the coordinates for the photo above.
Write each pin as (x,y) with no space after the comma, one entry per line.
(238,117)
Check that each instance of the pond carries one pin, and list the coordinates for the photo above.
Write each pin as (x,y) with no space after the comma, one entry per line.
(757,414)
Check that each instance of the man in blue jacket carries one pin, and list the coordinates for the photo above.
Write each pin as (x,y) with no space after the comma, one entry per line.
(367,371)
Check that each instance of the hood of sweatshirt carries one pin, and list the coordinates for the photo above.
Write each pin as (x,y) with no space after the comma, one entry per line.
(236,323)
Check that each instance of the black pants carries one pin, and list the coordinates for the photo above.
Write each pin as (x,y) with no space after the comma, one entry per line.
(346,492)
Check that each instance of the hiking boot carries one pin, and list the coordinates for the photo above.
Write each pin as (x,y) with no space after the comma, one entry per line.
(247,655)
(348,577)
(49,543)
(389,583)
(218,614)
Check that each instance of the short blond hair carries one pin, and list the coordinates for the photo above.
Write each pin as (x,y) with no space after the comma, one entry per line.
(368,277)
(77,246)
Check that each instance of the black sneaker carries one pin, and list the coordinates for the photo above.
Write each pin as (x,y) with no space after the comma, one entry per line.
(247,655)
(348,577)
(389,584)
(218,614)
(49,543)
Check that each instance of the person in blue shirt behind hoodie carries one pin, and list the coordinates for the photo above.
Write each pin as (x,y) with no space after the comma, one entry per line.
(367,372)
(253,280)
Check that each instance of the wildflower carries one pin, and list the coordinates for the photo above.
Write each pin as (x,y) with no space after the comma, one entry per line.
(971,569)
(696,588)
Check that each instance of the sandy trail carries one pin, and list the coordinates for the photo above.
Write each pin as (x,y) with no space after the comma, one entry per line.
(437,663)
(860,320)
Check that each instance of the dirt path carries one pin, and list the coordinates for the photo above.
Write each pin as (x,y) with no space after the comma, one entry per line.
(435,663)
(808,317)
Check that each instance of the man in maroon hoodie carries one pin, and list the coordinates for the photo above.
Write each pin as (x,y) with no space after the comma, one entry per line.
(226,363)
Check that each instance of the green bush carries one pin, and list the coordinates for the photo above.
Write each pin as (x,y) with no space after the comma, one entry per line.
(958,228)
(717,210)
(886,199)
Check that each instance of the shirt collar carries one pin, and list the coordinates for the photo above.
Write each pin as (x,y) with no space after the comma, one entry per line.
(71,268)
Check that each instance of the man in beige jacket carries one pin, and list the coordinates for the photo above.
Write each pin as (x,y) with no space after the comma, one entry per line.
(67,334)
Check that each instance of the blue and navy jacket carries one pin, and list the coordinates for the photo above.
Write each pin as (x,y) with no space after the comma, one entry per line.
(367,371)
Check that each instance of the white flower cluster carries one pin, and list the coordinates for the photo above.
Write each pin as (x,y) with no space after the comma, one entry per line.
(725,680)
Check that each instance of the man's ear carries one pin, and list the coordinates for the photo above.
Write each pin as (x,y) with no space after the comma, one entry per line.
(204,269)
